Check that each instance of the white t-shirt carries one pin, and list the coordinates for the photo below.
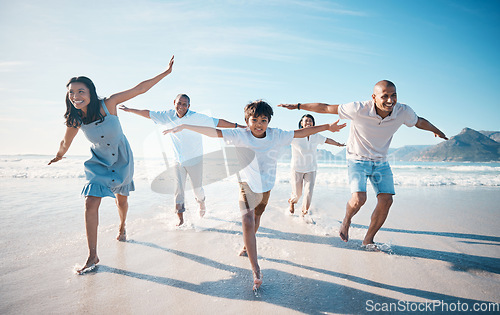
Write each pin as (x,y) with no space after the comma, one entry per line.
(304,153)
(187,144)
(370,135)
(260,173)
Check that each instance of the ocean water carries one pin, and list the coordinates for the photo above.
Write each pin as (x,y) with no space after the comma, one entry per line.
(330,173)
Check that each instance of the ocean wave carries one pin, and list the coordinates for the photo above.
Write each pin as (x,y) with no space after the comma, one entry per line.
(429,174)
(453,168)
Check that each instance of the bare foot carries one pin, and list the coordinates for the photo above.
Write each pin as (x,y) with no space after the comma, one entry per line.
(372,247)
(89,265)
(291,207)
(122,234)
(181,219)
(257,279)
(203,209)
(304,212)
(243,252)
(344,231)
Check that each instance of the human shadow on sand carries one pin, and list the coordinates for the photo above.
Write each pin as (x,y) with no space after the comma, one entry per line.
(283,289)
(458,261)
(476,237)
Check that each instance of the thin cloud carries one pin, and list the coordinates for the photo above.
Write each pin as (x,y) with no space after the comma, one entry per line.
(327,6)
(7,66)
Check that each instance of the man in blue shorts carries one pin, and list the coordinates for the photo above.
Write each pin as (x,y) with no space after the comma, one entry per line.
(374,122)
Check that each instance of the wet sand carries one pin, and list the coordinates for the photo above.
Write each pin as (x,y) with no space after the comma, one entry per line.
(442,243)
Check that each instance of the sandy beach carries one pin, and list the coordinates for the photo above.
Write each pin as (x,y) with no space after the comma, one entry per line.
(440,244)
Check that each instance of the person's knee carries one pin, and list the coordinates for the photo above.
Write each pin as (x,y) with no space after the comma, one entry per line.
(122,203)
(385,200)
(248,219)
(357,200)
(92,204)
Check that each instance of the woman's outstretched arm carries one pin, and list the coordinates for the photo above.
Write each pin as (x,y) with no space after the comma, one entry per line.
(65,143)
(140,88)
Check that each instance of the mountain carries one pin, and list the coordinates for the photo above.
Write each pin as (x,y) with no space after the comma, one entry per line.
(468,146)
(495,135)
(394,154)
(406,153)
(285,154)
(341,156)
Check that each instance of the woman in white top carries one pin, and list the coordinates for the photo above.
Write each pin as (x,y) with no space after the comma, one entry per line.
(304,164)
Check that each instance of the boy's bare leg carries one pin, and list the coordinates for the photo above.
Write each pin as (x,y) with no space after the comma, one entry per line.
(357,200)
(379,215)
(122,204)
(91,223)
(257,224)
(248,224)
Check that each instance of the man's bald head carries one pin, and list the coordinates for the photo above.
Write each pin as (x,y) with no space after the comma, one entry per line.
(381,85)
(384,97)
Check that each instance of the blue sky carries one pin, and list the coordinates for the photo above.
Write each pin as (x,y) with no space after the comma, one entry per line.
(442,56)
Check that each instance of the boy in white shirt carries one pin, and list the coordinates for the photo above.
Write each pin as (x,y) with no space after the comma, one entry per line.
(260,145)
(374,122)
(187,146)
(304,164)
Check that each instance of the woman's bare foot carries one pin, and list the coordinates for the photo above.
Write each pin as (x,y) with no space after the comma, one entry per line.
(257,279)
(305,212)
(203,209)
(122,234)
(181,219)
(291,206)
(243,252)
(89,265)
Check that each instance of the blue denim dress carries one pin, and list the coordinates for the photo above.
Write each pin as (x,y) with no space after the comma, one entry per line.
(110,170)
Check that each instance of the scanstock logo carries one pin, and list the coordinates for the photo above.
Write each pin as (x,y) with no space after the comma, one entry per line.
(217,166)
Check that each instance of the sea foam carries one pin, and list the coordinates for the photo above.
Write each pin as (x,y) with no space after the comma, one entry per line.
(335,174)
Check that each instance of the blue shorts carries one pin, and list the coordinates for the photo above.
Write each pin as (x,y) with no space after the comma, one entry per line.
(379,173)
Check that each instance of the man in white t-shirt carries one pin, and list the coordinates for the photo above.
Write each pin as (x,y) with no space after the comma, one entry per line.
(374,122)
(259,145)
(187,146)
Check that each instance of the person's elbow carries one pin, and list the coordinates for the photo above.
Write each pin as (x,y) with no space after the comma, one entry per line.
(422,123)
(332,109)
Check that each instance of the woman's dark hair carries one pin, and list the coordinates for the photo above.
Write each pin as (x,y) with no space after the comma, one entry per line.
(258,108)
(74,116)
(309,116)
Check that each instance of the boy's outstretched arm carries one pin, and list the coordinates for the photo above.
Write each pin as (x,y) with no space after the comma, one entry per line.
(207,131)
(227,124)
(304,132)
(313,107)
(424,124)
(333,142)
(141,112)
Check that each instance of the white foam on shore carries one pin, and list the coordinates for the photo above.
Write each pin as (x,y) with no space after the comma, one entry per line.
(405,173)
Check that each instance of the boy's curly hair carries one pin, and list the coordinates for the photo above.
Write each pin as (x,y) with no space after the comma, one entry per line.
(258,108)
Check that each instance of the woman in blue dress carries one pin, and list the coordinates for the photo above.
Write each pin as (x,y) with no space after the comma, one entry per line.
(110,170)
